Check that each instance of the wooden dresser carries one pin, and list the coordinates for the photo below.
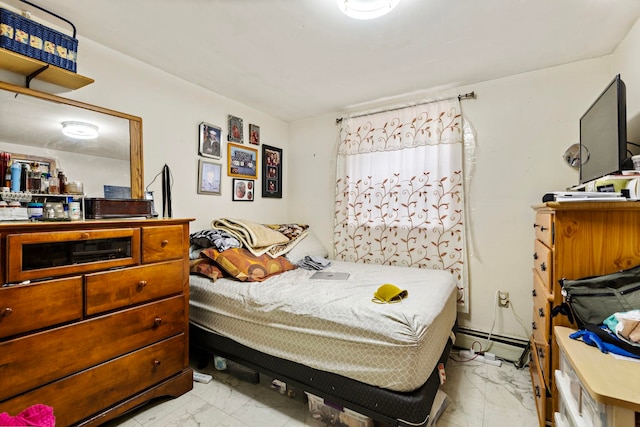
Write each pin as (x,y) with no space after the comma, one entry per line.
(93,316)
(572,240)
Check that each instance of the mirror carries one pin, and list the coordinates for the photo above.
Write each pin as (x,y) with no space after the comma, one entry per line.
(575,157)
(31,128)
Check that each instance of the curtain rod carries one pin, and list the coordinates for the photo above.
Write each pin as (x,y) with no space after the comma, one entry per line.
(469,95)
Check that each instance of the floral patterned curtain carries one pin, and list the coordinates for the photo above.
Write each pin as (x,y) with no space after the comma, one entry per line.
(399,190)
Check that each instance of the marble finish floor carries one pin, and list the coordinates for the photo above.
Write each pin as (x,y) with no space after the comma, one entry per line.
(480,395)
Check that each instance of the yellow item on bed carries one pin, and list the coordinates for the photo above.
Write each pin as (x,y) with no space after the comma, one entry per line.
(388,294)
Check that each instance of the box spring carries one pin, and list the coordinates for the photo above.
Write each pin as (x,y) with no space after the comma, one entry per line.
(387,407)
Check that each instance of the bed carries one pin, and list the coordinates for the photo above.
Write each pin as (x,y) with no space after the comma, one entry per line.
(327,337)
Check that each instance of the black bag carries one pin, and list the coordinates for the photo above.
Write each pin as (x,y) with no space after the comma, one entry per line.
(593,299)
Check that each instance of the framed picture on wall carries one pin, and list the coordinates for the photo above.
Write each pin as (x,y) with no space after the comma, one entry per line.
(243,190)
(209,144)
(271,172)
(209,177)
(242,162)
(254,134)
(235,129)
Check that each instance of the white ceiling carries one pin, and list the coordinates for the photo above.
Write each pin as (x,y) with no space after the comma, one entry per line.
(301,58)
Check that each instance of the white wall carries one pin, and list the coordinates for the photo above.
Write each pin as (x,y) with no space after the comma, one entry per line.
(626,61)
(171,110)
(523,125)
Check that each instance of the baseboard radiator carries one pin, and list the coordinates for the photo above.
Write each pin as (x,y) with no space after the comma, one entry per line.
(507,348)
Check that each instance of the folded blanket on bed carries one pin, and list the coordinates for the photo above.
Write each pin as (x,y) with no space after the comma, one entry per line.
(251,233)
(260,239)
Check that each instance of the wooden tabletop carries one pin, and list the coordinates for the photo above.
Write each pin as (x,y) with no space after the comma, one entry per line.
(608,380)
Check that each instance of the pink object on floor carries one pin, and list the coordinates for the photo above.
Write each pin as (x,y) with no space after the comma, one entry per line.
(37,415)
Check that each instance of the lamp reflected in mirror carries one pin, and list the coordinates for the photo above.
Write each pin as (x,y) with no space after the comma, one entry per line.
(366,9)
(576,155)
(79,130)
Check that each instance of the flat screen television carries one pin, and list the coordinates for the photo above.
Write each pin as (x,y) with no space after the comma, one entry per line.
(603,133)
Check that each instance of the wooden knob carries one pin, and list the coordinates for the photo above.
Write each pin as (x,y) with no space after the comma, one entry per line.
(7,312)
(85,236)
(164,243)
(156,362)
(157,321)
(142,284)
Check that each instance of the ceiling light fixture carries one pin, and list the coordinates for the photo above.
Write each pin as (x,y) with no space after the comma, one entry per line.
(366,9)
(80,130)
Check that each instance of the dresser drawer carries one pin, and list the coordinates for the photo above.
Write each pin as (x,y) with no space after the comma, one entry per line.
(543,360)
(539,389)
(162,243)
(542,263)
(29,361)
(105,384)
(30,307)
(544,228)
(61,253)
(541,323)
(109,290)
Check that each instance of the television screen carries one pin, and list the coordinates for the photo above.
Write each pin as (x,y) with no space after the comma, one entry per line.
(603,133)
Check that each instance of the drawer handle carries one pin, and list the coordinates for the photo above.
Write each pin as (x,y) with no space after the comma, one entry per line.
(534,293)
(7,312)
(164,243)
(543,266)
(156,362)
(142,284)
(542,227)
(541,312)
(85,236)
(537,391)
(535,255)
(157,321)
(533,326)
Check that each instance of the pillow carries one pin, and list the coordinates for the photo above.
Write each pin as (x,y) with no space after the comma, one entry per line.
(308,246)
(219,239)
(205,267)
(244,266)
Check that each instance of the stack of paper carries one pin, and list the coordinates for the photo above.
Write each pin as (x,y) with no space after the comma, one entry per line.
(583,196)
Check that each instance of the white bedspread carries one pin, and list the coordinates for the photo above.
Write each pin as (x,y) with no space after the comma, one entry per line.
(333,325)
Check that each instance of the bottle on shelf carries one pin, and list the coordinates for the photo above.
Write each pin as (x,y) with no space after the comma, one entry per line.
(54,185)
(62,180)
(16,171)
(24,178)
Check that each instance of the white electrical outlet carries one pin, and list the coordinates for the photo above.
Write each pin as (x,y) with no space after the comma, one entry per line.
(503,299)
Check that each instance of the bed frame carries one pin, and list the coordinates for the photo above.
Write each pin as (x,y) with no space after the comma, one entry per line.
(386,407)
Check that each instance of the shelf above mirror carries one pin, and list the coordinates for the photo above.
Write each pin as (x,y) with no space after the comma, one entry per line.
(26,66)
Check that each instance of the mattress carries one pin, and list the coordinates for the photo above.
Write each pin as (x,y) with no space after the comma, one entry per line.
(333,325)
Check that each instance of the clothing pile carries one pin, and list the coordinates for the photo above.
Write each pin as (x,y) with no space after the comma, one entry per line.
(313,263)
(37,415)
(626,326)
(619,334)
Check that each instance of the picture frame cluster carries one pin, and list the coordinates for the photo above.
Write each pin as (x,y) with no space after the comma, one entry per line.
(242,162)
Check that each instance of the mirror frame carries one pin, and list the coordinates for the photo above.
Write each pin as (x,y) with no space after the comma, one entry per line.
(135,131)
